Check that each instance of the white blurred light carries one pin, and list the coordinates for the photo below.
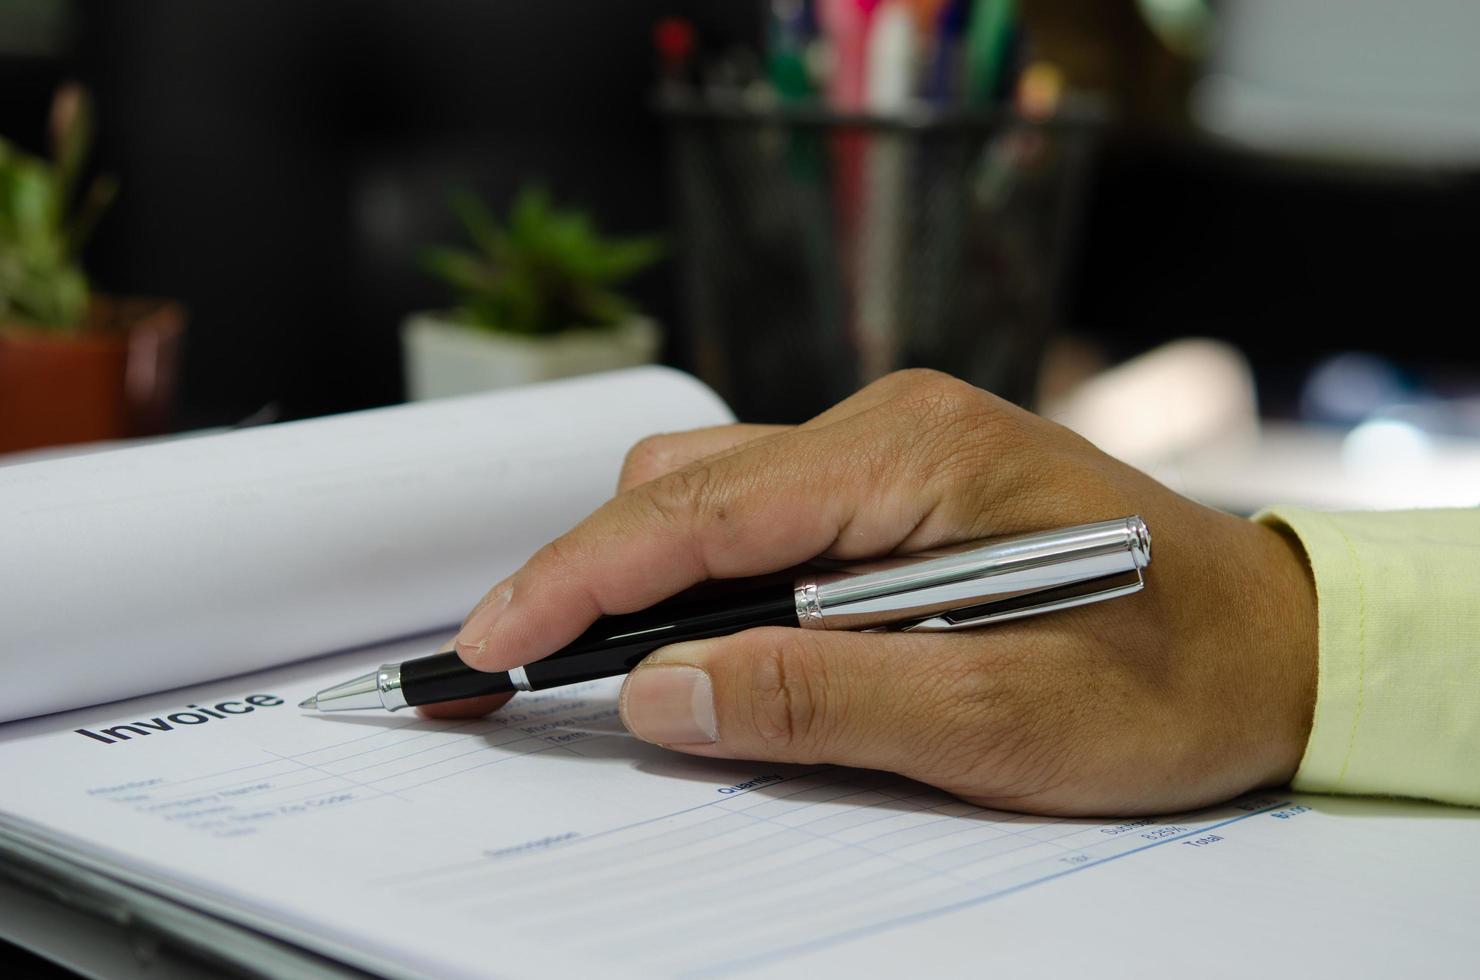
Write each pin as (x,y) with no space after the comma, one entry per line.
(1386,448)
(1358,80)
(1186,396)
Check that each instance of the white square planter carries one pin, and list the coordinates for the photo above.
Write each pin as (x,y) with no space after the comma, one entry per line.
(445,358)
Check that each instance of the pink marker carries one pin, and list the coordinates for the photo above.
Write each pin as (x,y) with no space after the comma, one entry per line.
(846,23)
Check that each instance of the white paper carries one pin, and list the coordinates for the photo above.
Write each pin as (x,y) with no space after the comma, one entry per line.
(523,846)
(148,568)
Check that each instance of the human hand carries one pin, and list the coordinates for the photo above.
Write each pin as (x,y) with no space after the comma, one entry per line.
(1194,690)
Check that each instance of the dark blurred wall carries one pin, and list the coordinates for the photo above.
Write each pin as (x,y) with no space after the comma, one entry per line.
(283,163)
(1290,261)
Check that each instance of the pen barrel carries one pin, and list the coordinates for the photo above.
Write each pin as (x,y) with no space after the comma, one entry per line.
(899,590)
(612,645)
(616,644)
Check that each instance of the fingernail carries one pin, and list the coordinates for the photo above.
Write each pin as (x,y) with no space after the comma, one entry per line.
(472,640)
(669,705)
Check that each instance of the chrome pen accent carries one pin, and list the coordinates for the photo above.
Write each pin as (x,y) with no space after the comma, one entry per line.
(809,610)
(965,586)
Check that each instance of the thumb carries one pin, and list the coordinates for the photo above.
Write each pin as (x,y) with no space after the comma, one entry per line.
(794,695)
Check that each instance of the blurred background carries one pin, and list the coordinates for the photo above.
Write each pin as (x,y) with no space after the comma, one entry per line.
(1231,242)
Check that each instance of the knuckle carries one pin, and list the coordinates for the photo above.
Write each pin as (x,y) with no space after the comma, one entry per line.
(559,556)
(647,459)
(896,383)
(917,379)
(789,694)
(938,395)
(954,414)
(985,459)
(921,393)
(679,497)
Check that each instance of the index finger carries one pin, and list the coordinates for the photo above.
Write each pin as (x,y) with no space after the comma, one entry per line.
(851,489)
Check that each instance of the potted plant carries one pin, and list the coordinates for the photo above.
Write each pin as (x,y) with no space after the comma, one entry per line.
(535,301)
(74,366)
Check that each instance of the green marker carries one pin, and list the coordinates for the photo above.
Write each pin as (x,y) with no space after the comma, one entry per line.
(988,43)
(787,64)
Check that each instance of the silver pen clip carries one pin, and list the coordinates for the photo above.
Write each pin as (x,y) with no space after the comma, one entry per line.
(1050,600)
(971,585)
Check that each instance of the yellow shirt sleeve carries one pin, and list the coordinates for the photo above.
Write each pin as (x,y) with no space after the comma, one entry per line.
(1398,698)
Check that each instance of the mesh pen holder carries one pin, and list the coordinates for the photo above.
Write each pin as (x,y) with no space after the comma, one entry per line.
(819,251)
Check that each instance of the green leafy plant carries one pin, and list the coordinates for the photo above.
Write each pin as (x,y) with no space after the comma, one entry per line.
(44,222)
(546,270)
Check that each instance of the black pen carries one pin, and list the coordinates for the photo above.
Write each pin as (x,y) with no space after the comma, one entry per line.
(960,587)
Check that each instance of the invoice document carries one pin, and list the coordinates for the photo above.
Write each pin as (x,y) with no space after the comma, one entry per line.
(540,841)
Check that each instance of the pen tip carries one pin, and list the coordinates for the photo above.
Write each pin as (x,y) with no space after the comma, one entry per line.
(312,702)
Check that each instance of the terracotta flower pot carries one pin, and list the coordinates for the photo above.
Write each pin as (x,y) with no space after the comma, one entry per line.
(114,379)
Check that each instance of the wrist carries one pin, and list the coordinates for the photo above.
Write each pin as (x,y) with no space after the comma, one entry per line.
(1293,650)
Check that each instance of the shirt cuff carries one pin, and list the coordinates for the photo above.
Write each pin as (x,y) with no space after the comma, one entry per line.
(1398,697)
